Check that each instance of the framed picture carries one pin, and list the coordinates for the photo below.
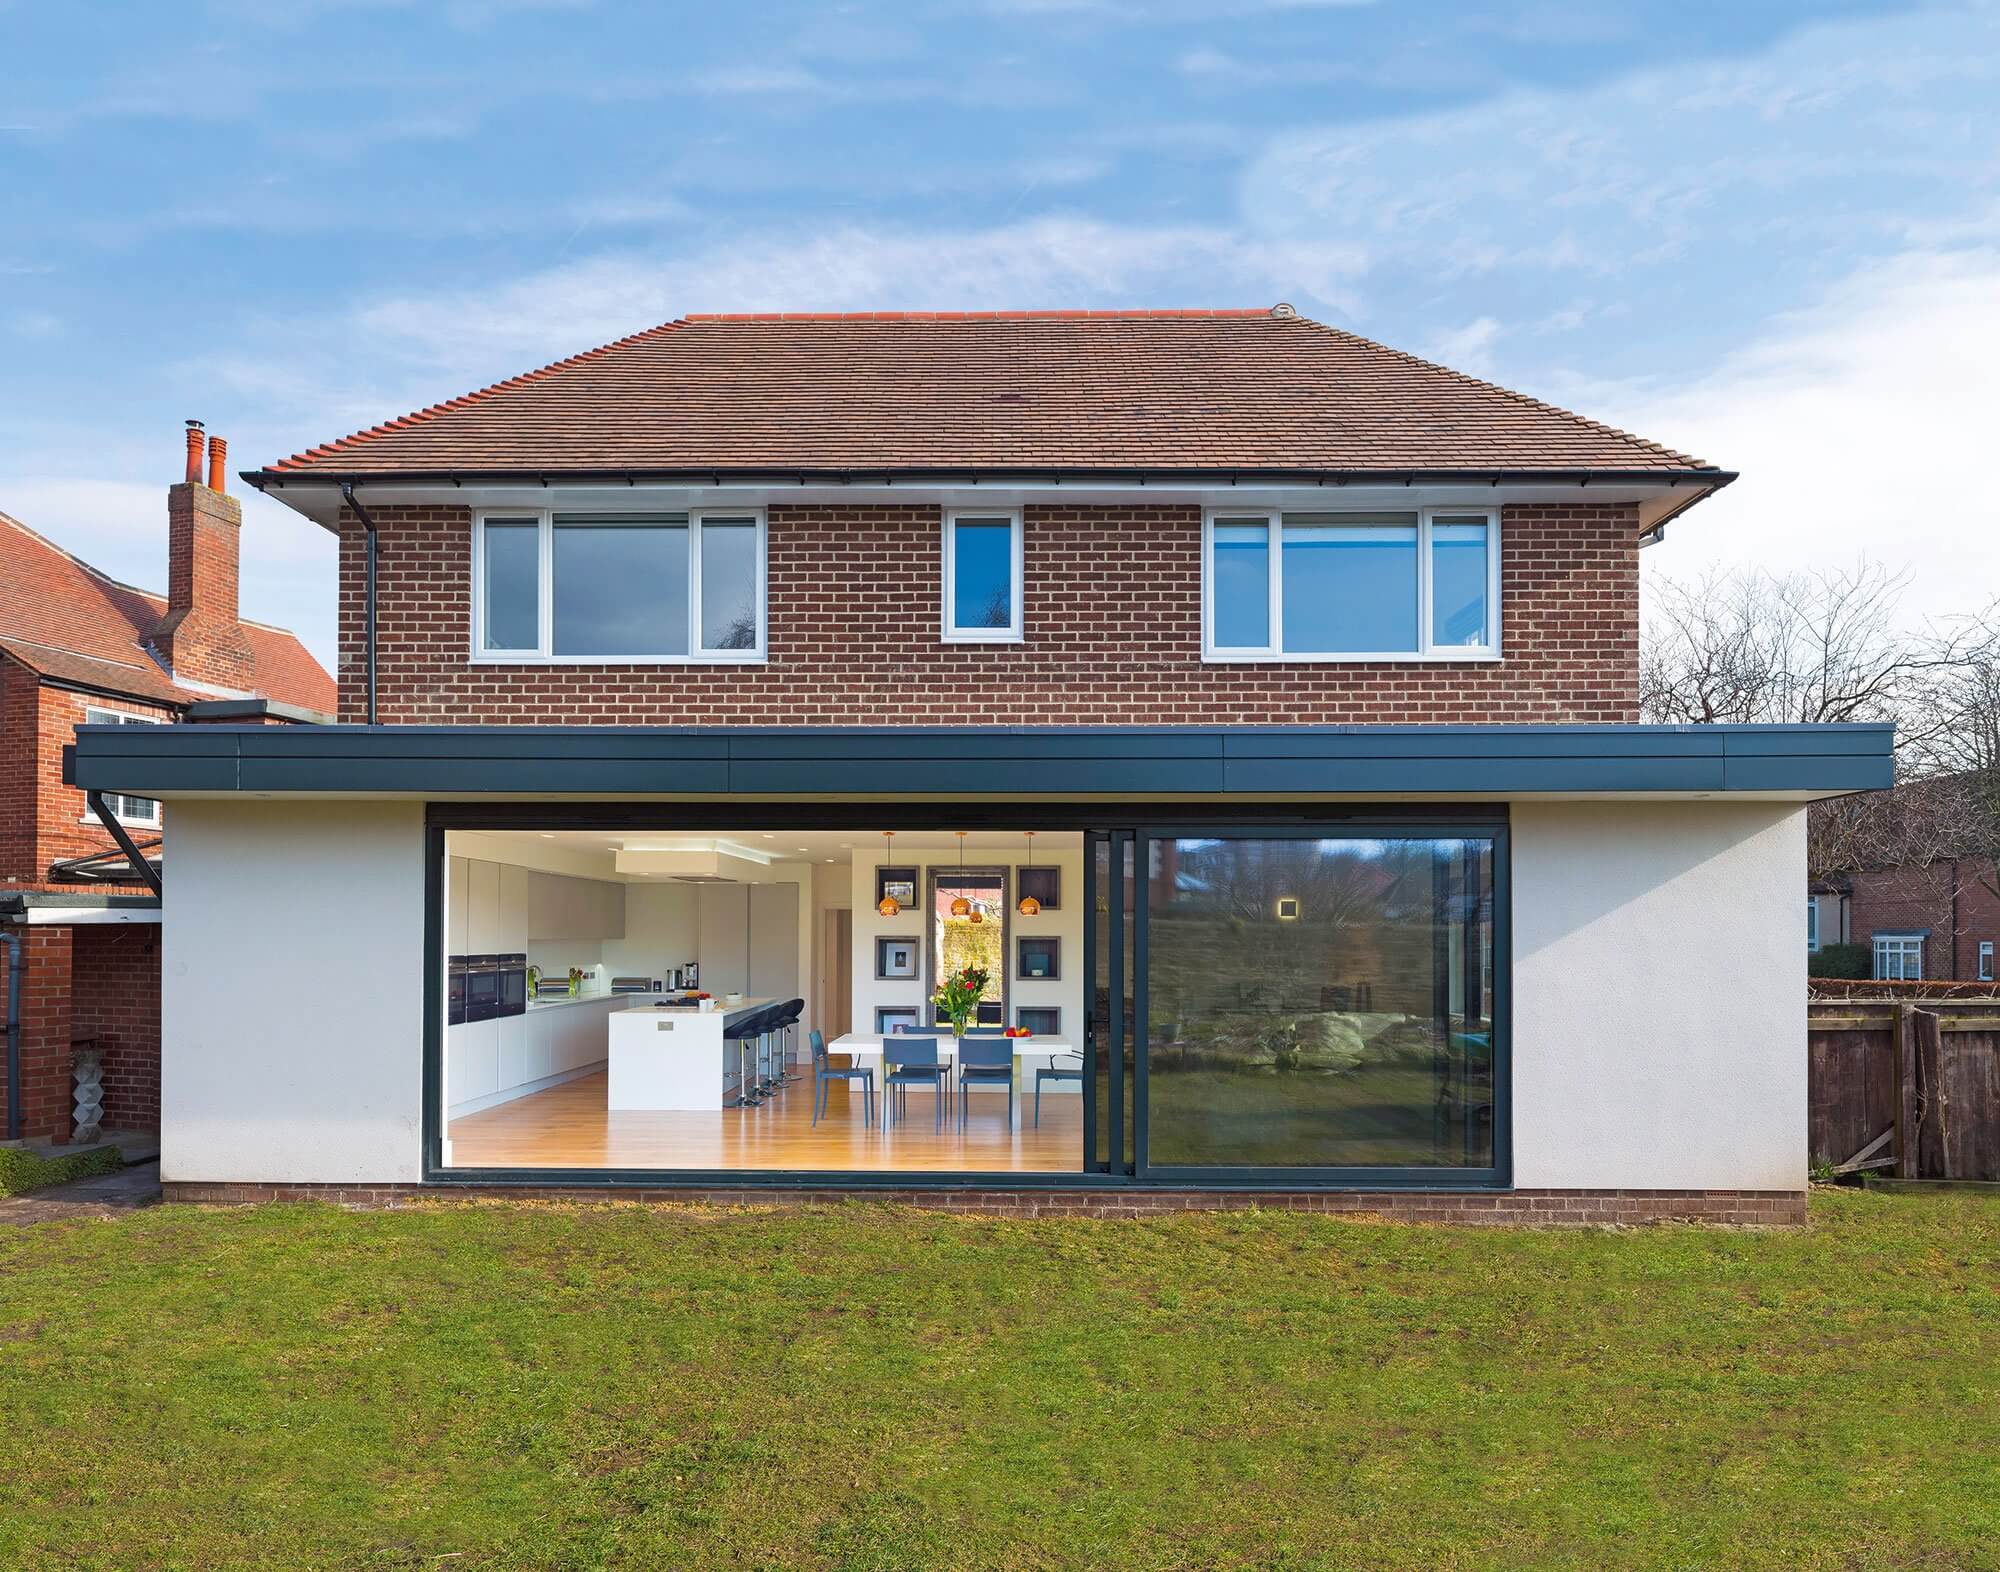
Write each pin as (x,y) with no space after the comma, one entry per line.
(1045,884)
(896,957)
(890,1018)
(1037,958)
(1044,1020)
(899,882)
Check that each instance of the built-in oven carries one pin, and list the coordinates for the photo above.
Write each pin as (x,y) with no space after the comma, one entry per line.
(455,990)
(513,971)
(482,987)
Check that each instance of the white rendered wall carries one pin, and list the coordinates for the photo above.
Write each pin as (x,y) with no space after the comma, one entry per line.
(291,993)
(1659,995)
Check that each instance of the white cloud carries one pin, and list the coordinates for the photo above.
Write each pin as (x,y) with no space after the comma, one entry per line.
(1468,348)
(1046,263)
(1862,425)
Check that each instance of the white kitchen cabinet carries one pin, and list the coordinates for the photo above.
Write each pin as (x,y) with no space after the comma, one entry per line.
(473,1060)
(560,907)
(513,934)
(482,908)
(456,886)
(722,913)
(514,1062)
(774,941)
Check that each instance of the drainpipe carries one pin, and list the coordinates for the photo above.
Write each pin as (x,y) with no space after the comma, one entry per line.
(368,634)
(13,1032)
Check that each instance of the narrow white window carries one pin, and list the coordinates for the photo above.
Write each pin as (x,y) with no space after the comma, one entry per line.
(982,578)
(1986,960)
(1812,925)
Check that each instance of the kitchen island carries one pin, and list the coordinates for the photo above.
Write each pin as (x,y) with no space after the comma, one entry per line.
(673,1058)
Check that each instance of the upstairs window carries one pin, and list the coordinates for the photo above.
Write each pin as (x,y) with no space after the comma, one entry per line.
(1415,585)
(142,811)
(627,587)
(982,578)
(1812,925)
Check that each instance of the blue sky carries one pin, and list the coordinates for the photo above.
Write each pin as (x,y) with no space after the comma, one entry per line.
(1766,233)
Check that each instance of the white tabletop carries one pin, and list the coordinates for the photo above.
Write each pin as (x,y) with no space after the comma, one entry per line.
(871,1043)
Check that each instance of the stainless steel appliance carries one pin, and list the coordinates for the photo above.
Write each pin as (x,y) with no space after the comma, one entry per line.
(482,987)
(513,971)
(635,985)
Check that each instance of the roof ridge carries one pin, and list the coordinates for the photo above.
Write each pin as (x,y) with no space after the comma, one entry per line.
(1051,315)
(492,389)
(1518,397)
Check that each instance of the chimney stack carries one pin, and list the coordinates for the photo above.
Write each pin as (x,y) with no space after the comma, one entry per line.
(201,638)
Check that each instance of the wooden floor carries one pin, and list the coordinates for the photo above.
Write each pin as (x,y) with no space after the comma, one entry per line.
(568,1126)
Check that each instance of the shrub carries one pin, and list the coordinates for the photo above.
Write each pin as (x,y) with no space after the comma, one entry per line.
(21,1170)
(1842,960)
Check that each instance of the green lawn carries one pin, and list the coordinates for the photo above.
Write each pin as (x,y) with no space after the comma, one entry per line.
(530,1386)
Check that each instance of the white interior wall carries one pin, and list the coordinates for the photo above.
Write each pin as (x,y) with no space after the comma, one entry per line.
(1066,992)
(1659,995)
(291,992)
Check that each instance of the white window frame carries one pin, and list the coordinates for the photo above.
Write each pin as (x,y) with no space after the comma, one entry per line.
(1812,925)
(543,654)
(1986,960)
(1425,652)
(1016,630)
(104,715)
(1903,943)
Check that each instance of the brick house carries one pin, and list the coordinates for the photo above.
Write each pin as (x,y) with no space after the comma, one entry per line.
(77,647)
(1939,922)
(1270,696)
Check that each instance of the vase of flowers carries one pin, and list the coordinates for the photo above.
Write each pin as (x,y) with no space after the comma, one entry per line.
(958,999)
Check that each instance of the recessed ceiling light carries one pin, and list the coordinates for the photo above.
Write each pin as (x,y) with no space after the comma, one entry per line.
(770,837)
(546,836)
(829,859)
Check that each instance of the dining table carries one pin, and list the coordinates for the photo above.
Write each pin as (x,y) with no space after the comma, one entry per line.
(1030,1055)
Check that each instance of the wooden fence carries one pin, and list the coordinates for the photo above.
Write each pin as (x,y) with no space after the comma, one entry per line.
(1906,1088)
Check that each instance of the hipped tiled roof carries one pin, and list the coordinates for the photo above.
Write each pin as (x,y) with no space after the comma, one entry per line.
(61,617)
(1067,391)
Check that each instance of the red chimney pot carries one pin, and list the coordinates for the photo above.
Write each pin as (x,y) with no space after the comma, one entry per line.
(194,450)
(218,456)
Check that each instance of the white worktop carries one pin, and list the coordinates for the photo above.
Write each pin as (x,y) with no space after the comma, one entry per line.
(560,1002)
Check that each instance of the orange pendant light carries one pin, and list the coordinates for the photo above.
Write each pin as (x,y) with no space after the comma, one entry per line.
(960,906)
(1029,906)
(888,906)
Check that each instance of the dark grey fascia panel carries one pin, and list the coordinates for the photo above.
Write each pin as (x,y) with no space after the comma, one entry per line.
(503,761)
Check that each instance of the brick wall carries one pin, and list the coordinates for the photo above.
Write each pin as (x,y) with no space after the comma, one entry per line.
(1113,617)
(41,819)
(1952,900)
(45,1031)
(115,998)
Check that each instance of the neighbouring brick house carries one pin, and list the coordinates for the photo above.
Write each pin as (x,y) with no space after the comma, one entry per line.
(1939,922)
(76,648)
(753,648)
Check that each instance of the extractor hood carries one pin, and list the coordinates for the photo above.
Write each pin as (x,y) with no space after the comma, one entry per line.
(692,866)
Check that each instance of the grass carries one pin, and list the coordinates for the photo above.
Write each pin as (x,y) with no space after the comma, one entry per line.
(21,1171)
(863,1387)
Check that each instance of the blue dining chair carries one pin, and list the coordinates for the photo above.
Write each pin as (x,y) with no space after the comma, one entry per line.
(984,1059)
(907,1062)
(1056,1072)
(825,1072)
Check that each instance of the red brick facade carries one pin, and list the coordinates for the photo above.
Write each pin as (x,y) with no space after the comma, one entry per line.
(42,821)
(88,982)
(1544,1208)
(201,638)
(1113,618)
(1952,901)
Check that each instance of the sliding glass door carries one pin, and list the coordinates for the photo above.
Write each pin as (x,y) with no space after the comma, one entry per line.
(1321,1004)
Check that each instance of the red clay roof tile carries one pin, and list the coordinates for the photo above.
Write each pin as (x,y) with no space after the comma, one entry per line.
(63,618)
(1113,390)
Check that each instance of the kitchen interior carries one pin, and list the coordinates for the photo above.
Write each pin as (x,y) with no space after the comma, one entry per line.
(620,999)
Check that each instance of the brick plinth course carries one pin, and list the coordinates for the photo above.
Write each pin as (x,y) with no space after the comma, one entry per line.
(1534,1208)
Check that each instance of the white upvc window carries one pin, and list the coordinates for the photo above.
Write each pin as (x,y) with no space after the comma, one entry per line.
(1416,584)
(983,576)
(619,588)
(1812,924)
(1899,957)
(1986,960)
(143,812)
